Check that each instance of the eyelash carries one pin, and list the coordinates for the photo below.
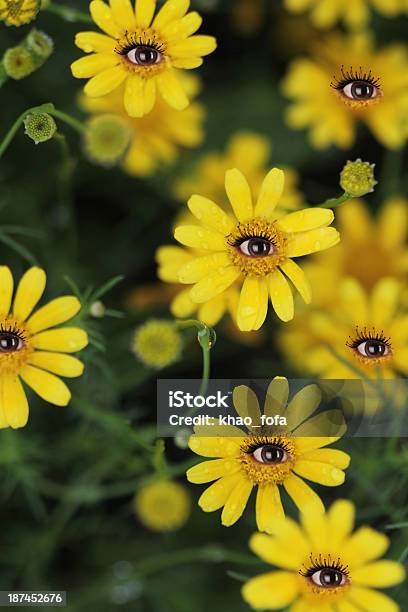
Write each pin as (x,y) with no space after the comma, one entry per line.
(323,563)
(364,335)
(12,330)
(259,441)
(351,75)
(133,41)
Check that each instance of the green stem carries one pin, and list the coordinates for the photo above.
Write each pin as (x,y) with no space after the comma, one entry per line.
(68,14)
(206,337)
(43,108)
(333,202)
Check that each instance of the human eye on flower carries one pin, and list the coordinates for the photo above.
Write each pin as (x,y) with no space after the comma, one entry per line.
(370,346)
(141,50)
(270,454)
(325,572)
(11,340)
(357,86)
(256,247)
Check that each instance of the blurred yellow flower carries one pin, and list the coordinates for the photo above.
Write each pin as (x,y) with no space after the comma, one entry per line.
(18,12)
(157,137)
(157,343)
(31,348)
(345,342)
(323,566)
(254,249)
(355,14)
(370,249)
(106,139)
(163,505)
(143,51)
(370,86)
(267,459)
(247,151)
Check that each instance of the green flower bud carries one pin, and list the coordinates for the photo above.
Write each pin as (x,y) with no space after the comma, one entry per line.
(157,343)
(18,63)
(97,309)
(357,178)
(18,12)
(106,139)
(40,127)
(40,44)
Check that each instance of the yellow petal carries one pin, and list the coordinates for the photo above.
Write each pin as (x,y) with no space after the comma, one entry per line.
(29,291)
(253,304)
(270,194)
(102,16)
(302,494)
(6,289)
(384,301)
(276,396)
(239,194)
(144,12)
(270,550)
(140,96)
(364,545)
(272,591)
(55,312)
(194,46)
(182,28)
(105,82)
(381,574)
(298,278)
(303,405)
(304,243)
(323,473)
(200,237)
(188,63)
(217,494)
(182,305)
(341,521)
(49,387)
(354,302)
(246,403)
(211,312)
(14,402)
(210,214)
(95,42)
(93,64)
(171,89)
(315,526)
(214,446)
(198,268)
(215,283)
(123,14)
(355,221)
(64,340)
(393,223)
(306,220)
(212,470)
(281,296)
(368,599)
(329,423)
(57,363)
(335,457)
(268,507)
(236,502)
(170,11)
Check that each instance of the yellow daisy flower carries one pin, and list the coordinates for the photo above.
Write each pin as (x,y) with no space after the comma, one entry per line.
(255,249)
(155,139)
(170,259)
(268,459)
(32,348)
(163,505)
(143,51)
(18,12)
(323,566)
(247,151)
(356,14)
(364,330)
(347,81)
(370,249)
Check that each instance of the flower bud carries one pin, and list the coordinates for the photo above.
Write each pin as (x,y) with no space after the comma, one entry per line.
(106,139)
(18,63)
(40,44)
(357,178)
(40,127)
(157,343)
(19,12)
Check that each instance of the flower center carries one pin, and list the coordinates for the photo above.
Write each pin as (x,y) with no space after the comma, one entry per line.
(267,459)
(15,345)
(142,52)
(256,247)
(324,575)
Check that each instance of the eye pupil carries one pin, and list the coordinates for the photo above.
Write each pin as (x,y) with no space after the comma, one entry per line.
(374,348)
(362,90)
(8,342)
(257,247)
(272,454)
(330,577)
(144,55)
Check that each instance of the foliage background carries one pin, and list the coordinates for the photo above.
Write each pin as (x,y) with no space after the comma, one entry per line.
(69,477)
